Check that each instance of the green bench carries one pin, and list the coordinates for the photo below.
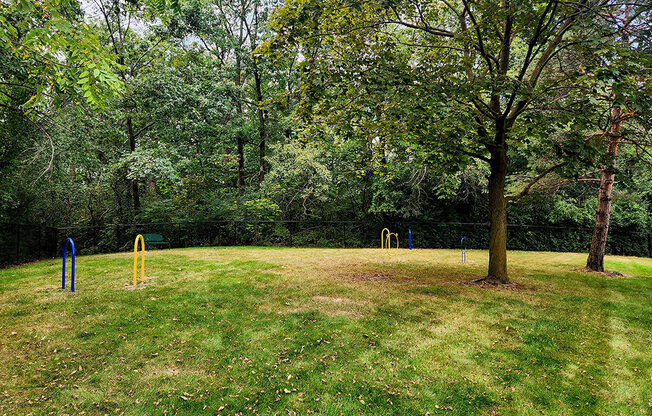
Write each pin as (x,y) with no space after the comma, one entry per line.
(155,240)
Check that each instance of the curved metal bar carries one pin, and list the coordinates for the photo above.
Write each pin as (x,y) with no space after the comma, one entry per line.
(382,237)
(63,267)
(386,241)
(140,238)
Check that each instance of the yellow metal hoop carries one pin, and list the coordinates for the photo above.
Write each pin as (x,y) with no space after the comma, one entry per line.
(386,241)
(142,263)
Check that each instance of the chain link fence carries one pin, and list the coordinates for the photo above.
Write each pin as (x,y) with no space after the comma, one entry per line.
(22,243)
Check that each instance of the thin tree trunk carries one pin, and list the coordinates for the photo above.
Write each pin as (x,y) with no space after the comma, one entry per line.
(595,261)
(240,142)
(497,272)
(240,139)
(261,128)
(240,146)
(134,182)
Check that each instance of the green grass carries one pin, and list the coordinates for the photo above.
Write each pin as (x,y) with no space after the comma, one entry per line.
(326,331)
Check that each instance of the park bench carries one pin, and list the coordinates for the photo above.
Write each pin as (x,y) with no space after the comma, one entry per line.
(155,240)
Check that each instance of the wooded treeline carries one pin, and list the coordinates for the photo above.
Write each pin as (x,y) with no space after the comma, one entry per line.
(253,109)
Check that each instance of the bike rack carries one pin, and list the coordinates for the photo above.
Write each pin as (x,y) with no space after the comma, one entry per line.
(386,241)
(63,271)
(142,263)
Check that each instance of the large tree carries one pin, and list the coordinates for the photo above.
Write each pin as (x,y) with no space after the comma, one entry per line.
(459,78)
(620,81)
(231,30)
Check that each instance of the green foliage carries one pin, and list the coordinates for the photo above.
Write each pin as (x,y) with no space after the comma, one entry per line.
(147,163)
(60,53)
(262,209)
(568,211)
(298,179)
(359,123)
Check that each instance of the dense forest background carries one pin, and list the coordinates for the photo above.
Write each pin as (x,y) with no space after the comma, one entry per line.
(207,128)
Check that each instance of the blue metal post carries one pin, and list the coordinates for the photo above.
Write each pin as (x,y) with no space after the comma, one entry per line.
(63,268)
(410,237)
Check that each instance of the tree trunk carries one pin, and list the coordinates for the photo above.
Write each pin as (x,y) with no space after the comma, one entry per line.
(134,182)
(595,260)
(261,128)
(239,139)
(240,145)
(497,272)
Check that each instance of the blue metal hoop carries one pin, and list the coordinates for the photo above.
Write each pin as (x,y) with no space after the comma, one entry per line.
(63,269)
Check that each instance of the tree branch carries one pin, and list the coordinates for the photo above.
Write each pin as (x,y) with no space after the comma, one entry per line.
(536,179)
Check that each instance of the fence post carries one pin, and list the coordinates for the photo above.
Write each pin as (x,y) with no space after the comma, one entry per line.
(54,250)
(40,241)
(649,244)
(17,244)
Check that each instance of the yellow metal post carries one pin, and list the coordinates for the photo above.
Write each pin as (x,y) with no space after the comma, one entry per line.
(142,263)
(386,241)
(382,237)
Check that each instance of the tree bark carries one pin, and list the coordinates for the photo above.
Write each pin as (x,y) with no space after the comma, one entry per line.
(134,183)
(239,138)
(240,146)
(595,261)
(261,127)
(497,272)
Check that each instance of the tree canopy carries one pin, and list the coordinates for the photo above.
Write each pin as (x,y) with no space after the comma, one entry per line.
(448,110)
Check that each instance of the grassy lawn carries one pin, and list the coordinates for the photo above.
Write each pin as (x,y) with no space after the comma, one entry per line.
(326,331)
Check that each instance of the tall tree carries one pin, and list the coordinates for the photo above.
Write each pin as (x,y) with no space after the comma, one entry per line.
(133,54)
(460,78)
(231,30)
(621,81)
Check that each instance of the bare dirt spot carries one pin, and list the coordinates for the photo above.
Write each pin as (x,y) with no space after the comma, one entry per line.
(487,284)
(337,300)
(139,286)
(367,276)
(606,273)
(329,305)
(365,273)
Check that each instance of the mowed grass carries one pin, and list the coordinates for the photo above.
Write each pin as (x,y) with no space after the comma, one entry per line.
(326,331)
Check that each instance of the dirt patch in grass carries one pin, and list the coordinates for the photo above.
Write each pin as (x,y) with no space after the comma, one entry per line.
(368,276)
(139,286)
(336,300)
(332,306)
(517,287)
(606,273)
(357,272)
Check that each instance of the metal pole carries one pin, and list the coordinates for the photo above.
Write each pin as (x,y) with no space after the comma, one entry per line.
(17,244)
